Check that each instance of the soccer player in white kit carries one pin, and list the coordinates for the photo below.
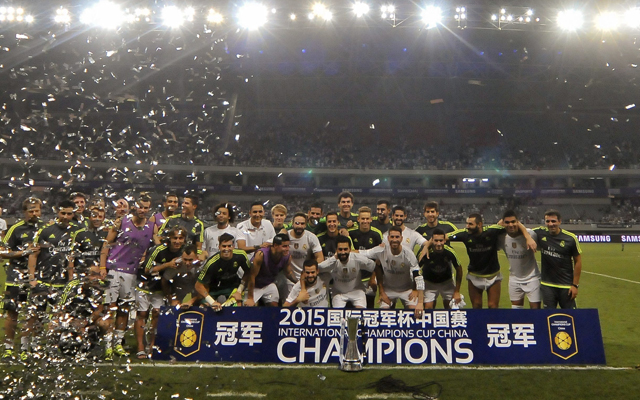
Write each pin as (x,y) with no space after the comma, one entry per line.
(257,231)
(224,215)
(311,289)
(411,239)
(524,274)
(397,272)
(345,270)
(304,246)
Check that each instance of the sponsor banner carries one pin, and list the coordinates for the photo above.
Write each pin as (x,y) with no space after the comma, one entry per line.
(411,192)
(606,238)
(312,335)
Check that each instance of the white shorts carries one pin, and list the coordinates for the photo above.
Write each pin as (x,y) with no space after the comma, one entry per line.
(146,300)
(444,289)
(403,296)
(268,294)
(122,286)
(531,288)
(483,283)
(356,297)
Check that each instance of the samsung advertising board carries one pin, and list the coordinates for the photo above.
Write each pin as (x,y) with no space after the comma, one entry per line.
(312,335)
(606,238)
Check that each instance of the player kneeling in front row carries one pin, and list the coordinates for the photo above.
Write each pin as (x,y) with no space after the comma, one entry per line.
(437,270)
(345,268)
(179,282)
(311,290)
(267,264)
(80,320)
(149,293)
(219,282)
(396,269)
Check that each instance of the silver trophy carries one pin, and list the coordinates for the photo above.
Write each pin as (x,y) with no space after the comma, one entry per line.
(351,359)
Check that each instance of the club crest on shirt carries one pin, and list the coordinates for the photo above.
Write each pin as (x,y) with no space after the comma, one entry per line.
(370,240)
(562,243)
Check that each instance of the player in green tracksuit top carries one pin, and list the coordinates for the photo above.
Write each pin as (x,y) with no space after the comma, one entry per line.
(561,263)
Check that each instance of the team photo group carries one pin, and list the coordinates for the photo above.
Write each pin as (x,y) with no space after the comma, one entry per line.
(96,270)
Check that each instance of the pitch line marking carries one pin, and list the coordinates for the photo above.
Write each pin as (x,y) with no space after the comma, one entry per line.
(612,277)
(384,396)
(237,394)
(382,367)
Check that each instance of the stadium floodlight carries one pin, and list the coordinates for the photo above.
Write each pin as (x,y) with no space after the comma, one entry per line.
(461,16)
(388,11)
(62,16)
(608,21)
(215,17)
(141,14)
(360,9)
(252,15)
(104,14)
(292,17)
(431,16)
(632,18)
(12,14)
(321,11)
(174,17)
(570,20)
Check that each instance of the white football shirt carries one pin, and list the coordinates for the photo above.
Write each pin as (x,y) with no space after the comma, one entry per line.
(523,266)
(346,276)
(398,269)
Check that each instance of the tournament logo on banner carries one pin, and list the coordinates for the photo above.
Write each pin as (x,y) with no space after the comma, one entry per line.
(188,333)
(562,335)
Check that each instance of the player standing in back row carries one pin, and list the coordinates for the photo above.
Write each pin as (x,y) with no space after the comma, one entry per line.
(524,275)
(431,213)
(484,268)
(561,258)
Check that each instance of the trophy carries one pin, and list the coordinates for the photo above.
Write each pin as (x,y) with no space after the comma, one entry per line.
(350,360)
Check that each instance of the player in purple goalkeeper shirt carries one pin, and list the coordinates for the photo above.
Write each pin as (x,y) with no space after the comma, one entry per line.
(128,241)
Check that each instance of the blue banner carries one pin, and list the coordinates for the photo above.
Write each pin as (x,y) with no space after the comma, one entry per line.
(312,335)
